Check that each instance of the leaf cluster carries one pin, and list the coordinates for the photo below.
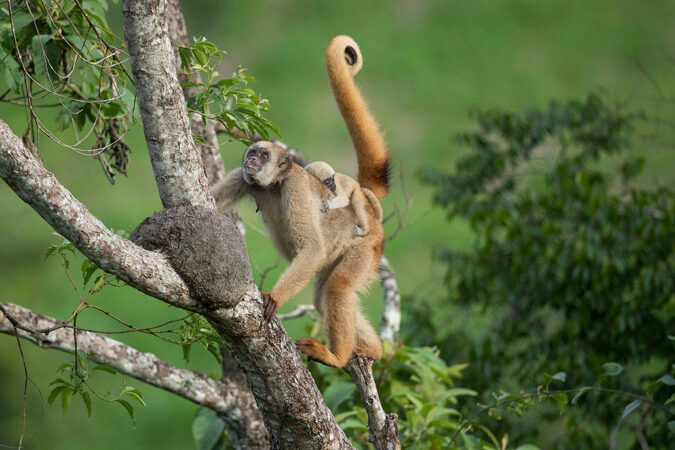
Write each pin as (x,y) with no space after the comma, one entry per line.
(228,100)
(75,381)
(64,50)
(573,261)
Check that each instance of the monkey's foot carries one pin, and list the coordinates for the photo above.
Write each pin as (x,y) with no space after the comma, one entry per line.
(270,305)
(318,352)
(373,353)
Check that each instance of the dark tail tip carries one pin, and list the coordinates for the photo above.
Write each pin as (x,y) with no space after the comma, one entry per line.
(351,55)
(383,174)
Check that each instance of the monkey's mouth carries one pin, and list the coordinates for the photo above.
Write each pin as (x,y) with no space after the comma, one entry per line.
(252,165)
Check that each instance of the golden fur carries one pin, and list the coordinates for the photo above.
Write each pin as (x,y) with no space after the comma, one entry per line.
(343,61)
(321,245)
(346,192)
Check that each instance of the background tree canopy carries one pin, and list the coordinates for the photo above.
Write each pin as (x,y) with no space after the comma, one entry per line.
(542,241)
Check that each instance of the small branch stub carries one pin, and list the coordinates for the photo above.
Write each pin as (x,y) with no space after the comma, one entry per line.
(382,427)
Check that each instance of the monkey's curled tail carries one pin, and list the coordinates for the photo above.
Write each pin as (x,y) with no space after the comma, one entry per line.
(343,61)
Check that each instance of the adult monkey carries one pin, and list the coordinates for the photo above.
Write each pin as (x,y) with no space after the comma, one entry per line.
(321,244)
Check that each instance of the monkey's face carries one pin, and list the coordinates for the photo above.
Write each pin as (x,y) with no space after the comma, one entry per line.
(265,164)
(330,184)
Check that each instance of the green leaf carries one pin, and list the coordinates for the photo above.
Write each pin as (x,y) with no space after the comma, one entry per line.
(13,76)
(579,393)
(88,269)
(207,429)
(561,401)
(186,352)
(361,414)
(87,401)
(612,369)
(667,379)
(105,369)
(130,409)
(54,393)
(66,395)
(135,394)
(59,381)
(671,426)
(40,54)
(450,425)
(353,424)
(670,400)
(560,376)
(630,408)
(456,392)
(337,393)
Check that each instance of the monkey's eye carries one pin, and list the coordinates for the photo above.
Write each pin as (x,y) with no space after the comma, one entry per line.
(264,155)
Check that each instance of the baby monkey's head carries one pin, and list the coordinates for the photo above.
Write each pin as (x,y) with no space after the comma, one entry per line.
(324,172)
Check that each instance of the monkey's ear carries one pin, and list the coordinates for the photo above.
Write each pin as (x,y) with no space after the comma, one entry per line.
(284,161)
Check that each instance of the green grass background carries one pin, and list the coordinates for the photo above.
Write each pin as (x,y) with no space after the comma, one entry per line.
(427,64)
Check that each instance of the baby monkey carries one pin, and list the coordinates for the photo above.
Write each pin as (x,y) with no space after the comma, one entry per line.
(346,192)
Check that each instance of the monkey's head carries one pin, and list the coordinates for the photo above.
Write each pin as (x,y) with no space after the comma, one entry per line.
(324,173)
(265,164)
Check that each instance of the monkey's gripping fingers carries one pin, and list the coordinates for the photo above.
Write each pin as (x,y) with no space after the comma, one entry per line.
(270,306)
(325,205)
(359,231)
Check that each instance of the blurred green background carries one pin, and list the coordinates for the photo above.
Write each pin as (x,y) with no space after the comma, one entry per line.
(427,64)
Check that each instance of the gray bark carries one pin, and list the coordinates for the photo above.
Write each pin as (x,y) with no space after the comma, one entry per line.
(382,427)
(245,425)
(147,271)
(176,164)
(390,321)
(211,159)
(221,396)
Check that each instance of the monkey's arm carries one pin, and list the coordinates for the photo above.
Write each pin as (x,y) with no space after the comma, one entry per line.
(339,201)
(345,192)
(305,225)
(230,190)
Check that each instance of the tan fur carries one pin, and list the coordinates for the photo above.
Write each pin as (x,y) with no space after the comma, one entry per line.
(321,245)
(371,149)
(347,192)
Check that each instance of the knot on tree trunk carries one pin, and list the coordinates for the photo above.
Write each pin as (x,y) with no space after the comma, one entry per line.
(206,250)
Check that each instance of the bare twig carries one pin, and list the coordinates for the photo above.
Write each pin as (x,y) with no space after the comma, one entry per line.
(299,311)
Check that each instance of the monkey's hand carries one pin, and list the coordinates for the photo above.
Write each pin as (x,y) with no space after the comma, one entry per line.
(358,231)
(270,306)
(325,205)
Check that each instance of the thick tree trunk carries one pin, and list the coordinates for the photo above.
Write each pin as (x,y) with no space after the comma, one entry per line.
(176,164)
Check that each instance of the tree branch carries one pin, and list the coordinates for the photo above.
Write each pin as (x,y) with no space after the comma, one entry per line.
(221,396)
(390,321)
(147,271)
(382,427)
(175,161)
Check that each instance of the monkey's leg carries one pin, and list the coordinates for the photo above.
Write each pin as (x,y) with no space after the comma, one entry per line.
(359,207)
(339,304)
(367,341)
